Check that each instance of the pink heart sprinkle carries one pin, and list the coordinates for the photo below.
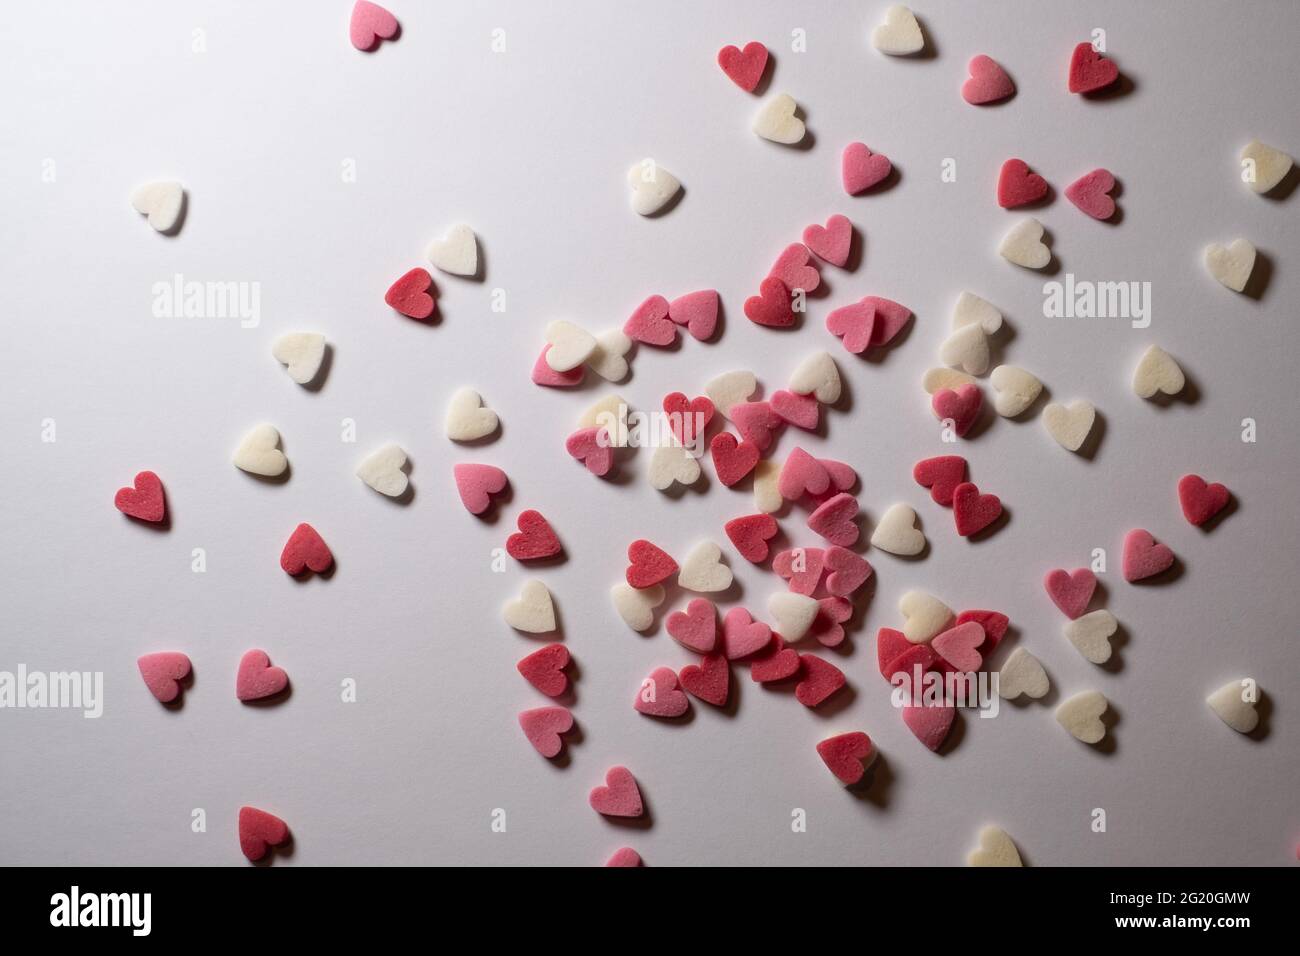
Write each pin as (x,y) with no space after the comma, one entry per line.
(830,243)
(163,672)
(696,628)
(802,567)
(370,23)
(477,483)
(543,726)
(846,571)
(650,323)
(833,520)
(742,635)
(930,725)
(698,311)
(592,447)
(1143,557)
(619,797)
(802,473)
(257,679)
(988,82)
(1070,590)
(957,646)
(793,267)
(1090,193)
(659,696)
(860,168)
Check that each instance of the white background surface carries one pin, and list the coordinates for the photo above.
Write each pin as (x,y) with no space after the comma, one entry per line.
(530,147)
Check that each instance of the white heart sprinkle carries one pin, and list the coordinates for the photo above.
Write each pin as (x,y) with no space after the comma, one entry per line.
(1070,424)
(162,202)
(1014,390)
(730,389)
(925,616)
(457,253)
(897,533)
(996,849)
(817,375)
(1270,165)
(1091,633)
(966,349)
(900,34)
(533,611)
(793,614)
(467,420)
(971,309)
(571,345)
(1024,245)
(1158,372)
(702,570)
(1022,674)
(383,471)
(608,359)
(636,606)
(672,463)
(301,353)
(259,453)
(776,120)
(1234,702)
(767,486)
(653,187)
(937,379)
(1081,715)
(1231,266)
(610,413)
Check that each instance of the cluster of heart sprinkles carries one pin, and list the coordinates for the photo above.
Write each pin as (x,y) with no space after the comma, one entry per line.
(812,600)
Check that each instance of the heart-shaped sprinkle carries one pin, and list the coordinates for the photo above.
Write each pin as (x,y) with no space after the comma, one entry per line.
(257,679)
(636,606)
(1017,186)
(930,725)
(688,417)
(624,856)
(971,309)
(696,628)
(744,67)
(1070,424)
(619,797)
(845,571)
(301,353)
(896,532)
(467,419)
(1023,245)
(1089,70)
(592,447)
(659,695)
(703,571)
(916,661)
(767,491)
(742,635)
(1269,166)
(994,623)
(384,471)
(533,612)
(1233,265)
(1022,674)
(972,511)
(476,484)
(776,120)
(1014,390)
(709,680)
(860,168)
(802,473)
(1157,372)
(750,534)
(1081,716)
(672,463)
(412,294)
(828,626)
(891,317)
(259,453)
(834,520)
(795,268)
(163,672)
(776,663)
(610,413)
(1090,193)
(144,501)
(940,378)
(890,645)
(842,476)
(305,549)
(958,644)
(571,345)
(544,375)
(609,358)
(1234,702)
(534,539)
(771,307)
(831,242)
(899,34)
(988,82)
(846,755)
(995,849)
(259,831)
(1143,558)
(652,186)
(457,252)
(960,405)
(801,411)
(1201,502)
(732,460)
(967,348)
(543,726)
(941,475)
(649,564)
(925,616)
(852,325)
(544,669)
(818,680)
(1071,591)
(1091,634)
(162,202)
(731,389)
(802,567)
(698,311)
(757,421)
(370,23)
(792,613)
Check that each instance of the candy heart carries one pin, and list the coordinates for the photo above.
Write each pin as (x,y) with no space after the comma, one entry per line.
(966,348)
(792,613)
(1268,165)
(163,672)
(891,316)
(1070,424)
(750,535)
(756,422)
(845,571)
(936,379)
(257,679)
(1071,591)
(533,611)
(1089,70)
(696,628)
(742,635)
(619,797)
(672,463)
(476,484)
(819,680)
(852,324)
(653,187)
(802,567)
(830,243)
(467,420)
(732,460)
(1023,245)
(776,120)
(767,491)
(1017,186)
(896,532)
(915,662)
(1014,390)
(802,473)
(1143,557)
(941,475)
(860,168)
(544,669)
(703,570)
(162,202)
(771,307)
(543,726)
(383,472)
(688,417)
(534,539)
(900,34)
(817,375)
(370,23)
(457,252)
(801,411)
(971,309)
(972,511)
(543,374)
(609,358)
(259,830)
(846,755)
(1022,674)
(776,663)
(610,413)
(961,406)
(995,849)
(624,857)
(411,295)
(833,520)
(1157,372)
(1231,266)
(1234,703)
(659,695)
(592,447)
(698,311)
(648,564)
(636,606)
(988,82)
(890,645)
(1081,716)
(1201,502)
(305,549)
(1089,193)
(744,67)
(571,345)
(145,501)
(710,680)
(302,354)
(930,725)
(925,616)
(828,626)
(995,625)
(259,453)
(842,476)
(1091,633)
(958,644)
(795,269)
(730,389)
